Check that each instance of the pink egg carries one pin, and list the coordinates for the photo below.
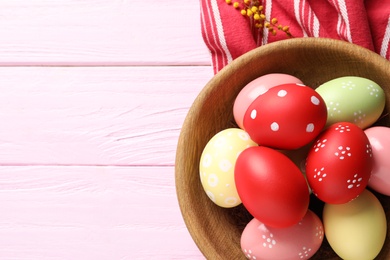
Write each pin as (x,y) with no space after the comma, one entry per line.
(256,88)
(379,138)
(300,241)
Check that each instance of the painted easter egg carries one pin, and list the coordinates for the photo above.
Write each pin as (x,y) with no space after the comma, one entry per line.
(256,88)
(298,157)
(287,116)
(357,229)
(217,163)
(352,99)
(300,241)
(271,186)
(339,164)
(379,138)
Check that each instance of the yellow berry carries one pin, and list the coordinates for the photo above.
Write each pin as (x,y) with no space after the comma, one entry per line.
(253,8)
(272,31)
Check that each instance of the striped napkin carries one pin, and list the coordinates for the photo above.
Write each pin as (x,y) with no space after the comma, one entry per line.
(228,34)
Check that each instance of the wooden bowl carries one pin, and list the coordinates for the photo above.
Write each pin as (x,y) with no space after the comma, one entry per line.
(216,230)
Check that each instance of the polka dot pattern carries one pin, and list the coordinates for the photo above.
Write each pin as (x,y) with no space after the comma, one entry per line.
(284,122)
(301,241)
(269,241)
(319,174)
(354,182)
(212,180)
(216,168)
(315,100)
(275,126)
(310,128)
(253,114)
(225,165)
(339,165)
(305,253)
(363,109)
(282,93)
(320,143)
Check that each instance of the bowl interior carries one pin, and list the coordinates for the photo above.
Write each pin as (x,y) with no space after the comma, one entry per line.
(216,230)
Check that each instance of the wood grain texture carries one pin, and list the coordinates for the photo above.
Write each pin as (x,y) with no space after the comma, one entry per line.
(91,213)
(93,95)
(104,32)
(95,115)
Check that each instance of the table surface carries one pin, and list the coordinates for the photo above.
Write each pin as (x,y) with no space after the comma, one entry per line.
(93,97)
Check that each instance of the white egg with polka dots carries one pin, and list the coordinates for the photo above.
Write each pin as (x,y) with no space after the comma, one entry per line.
(217,163)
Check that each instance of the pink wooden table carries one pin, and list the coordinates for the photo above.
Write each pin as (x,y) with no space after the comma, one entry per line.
(93,96)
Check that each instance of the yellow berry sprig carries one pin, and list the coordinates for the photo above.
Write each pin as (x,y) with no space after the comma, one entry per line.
(254,9)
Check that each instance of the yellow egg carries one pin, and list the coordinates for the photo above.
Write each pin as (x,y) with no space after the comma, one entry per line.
(217,163)
(357,229)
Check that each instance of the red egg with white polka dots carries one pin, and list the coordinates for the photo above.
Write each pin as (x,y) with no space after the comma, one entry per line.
(339,164)
(287,116)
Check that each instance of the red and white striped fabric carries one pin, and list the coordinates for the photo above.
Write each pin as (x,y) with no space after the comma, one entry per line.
(228,34)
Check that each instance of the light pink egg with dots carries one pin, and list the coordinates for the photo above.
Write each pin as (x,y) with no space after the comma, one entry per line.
(379,137)
(300,241)
(256,88)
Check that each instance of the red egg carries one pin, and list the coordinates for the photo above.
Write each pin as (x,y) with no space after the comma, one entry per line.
(339,164)
(256,88)
(271,186)
(287,116)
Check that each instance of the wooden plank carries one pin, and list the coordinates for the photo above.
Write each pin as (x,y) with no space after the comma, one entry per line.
(104,32)
(95,115)
(91,213)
